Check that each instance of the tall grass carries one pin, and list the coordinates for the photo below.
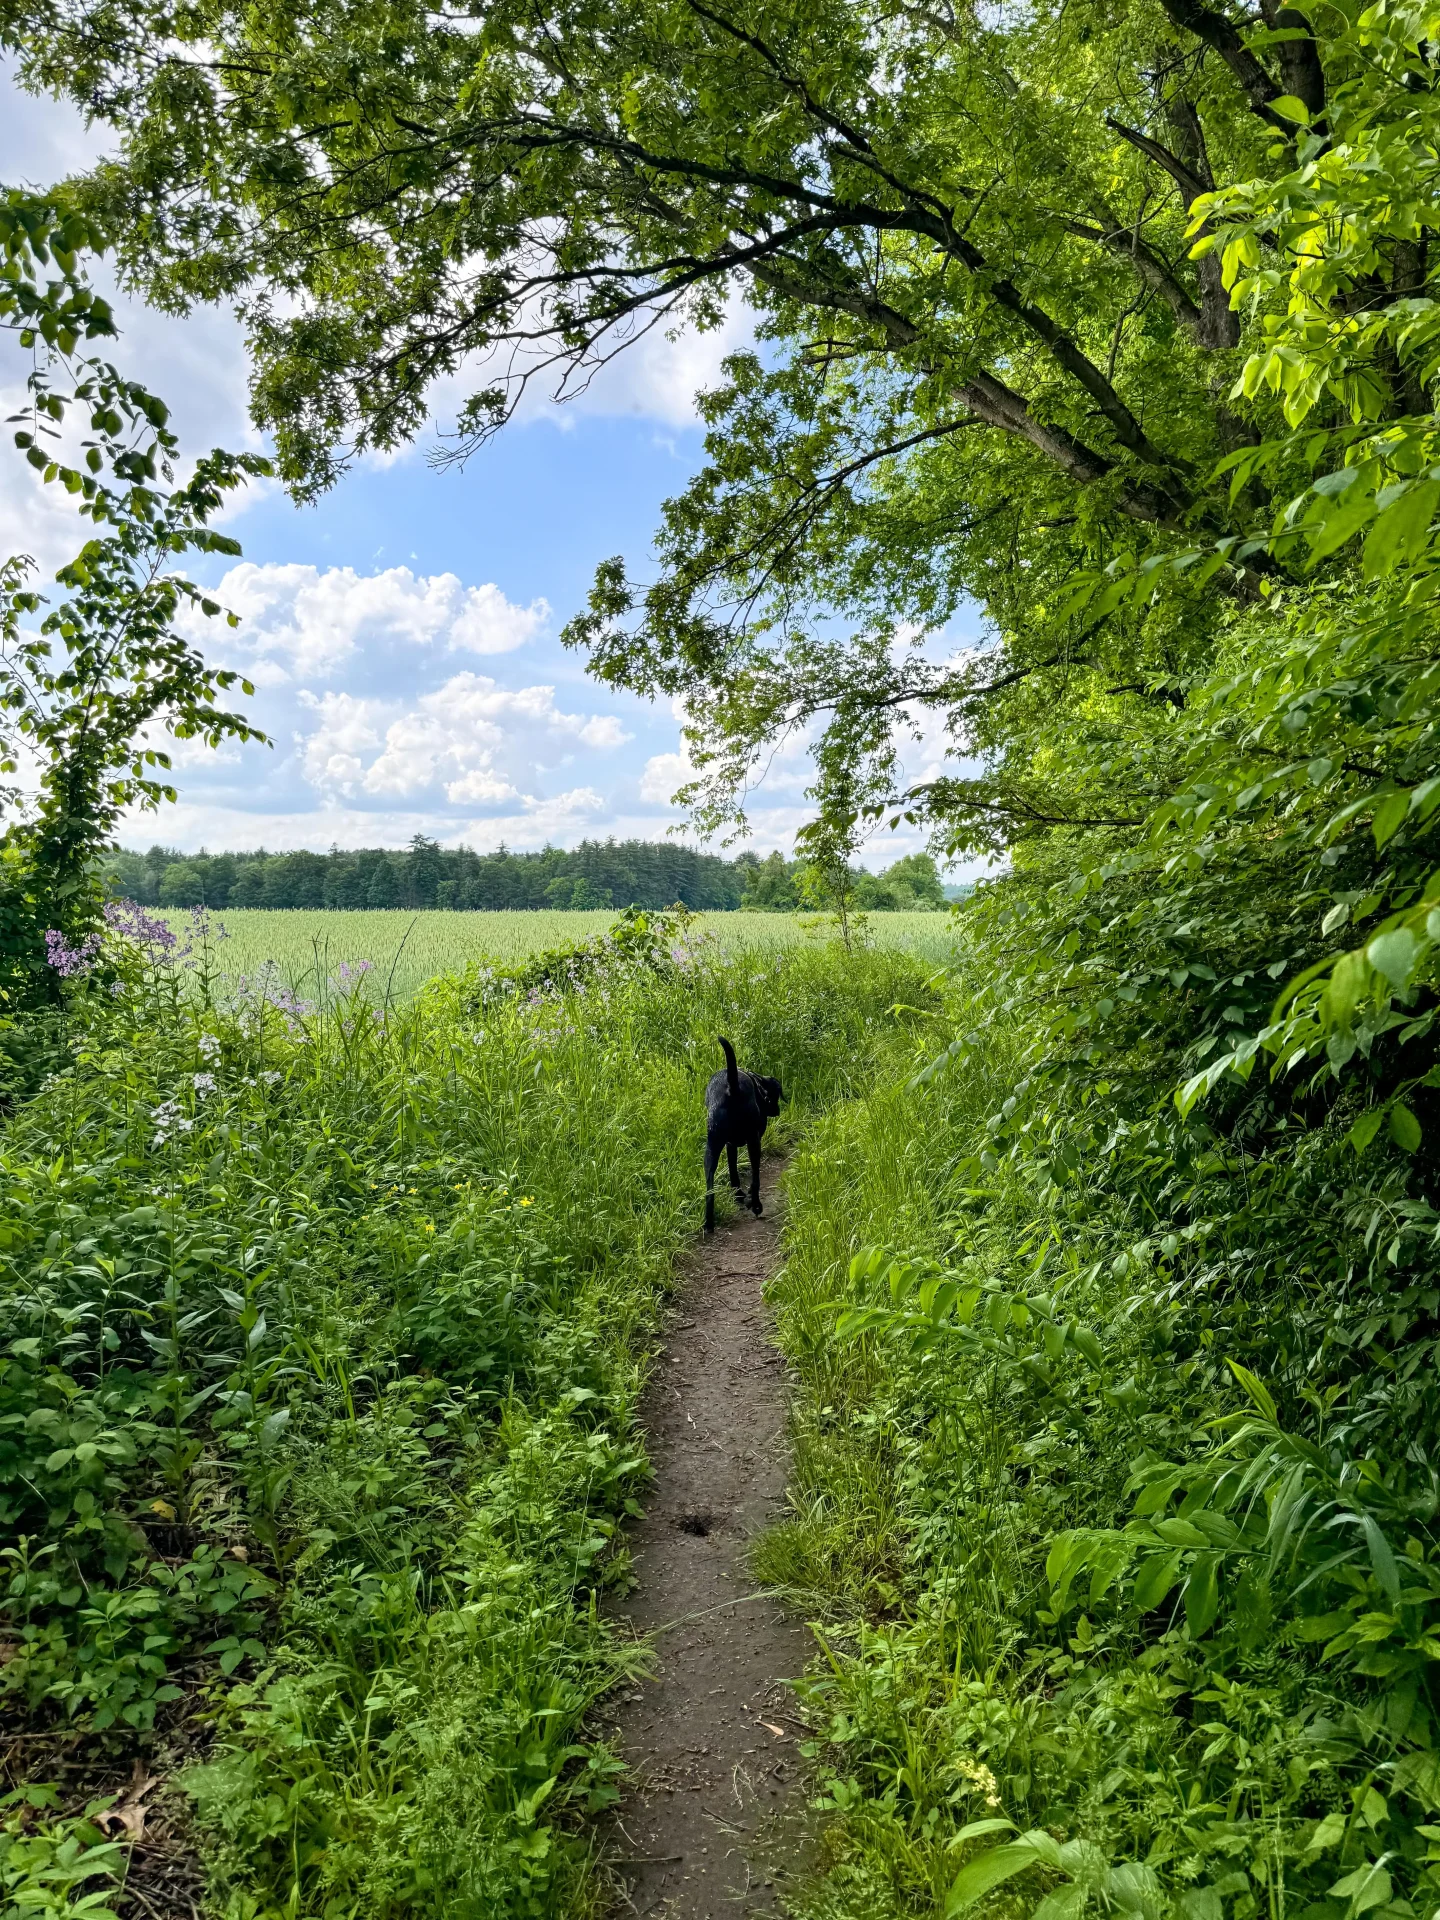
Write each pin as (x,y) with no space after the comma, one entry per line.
(317,1419)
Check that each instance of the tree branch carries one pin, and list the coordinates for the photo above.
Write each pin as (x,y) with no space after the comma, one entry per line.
(1221,34)
(1150,269)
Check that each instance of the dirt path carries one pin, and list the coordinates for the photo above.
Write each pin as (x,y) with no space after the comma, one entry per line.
(712,1736)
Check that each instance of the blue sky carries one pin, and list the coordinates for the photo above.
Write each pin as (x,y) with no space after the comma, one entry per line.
(403,633)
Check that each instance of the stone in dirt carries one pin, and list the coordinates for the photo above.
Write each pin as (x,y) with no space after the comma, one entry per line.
(702,1834)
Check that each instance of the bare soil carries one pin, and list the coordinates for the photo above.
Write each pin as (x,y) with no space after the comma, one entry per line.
(705,1833)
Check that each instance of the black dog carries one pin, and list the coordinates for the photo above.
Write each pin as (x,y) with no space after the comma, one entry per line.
(737,1106)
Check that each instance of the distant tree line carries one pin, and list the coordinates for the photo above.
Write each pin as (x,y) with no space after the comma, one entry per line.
(911,885)
(596,874)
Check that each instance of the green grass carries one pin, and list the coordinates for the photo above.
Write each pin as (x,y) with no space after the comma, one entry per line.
(407,949)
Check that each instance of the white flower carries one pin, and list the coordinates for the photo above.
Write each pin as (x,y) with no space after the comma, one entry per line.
(204,1083)
(169,1119)
(209,1046)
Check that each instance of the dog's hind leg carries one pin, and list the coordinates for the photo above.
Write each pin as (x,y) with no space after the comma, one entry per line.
(752,1147)
(734,1155)
(712,1160)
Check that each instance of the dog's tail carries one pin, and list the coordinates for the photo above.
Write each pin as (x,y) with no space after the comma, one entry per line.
(732,1071)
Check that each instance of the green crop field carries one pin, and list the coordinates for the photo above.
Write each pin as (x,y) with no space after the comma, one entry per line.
(407,949)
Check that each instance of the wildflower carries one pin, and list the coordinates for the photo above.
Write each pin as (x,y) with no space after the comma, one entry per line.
(526,1200)
(169,1119)
(70,962)
(272,1077)
(203,1083)
(209,1045)
(203,927)
(979,1776)
(132,922)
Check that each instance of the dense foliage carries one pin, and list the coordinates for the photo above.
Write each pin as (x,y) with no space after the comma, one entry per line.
(324,1328)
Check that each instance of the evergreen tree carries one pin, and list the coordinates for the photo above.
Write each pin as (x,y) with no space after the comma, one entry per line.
(384,888)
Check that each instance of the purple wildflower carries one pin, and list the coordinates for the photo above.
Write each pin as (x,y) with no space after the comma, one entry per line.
(70,962)
(132,922)
(203,927)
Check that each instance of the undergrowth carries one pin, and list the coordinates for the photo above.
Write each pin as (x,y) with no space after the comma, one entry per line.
(1115,1498)
(324,1327)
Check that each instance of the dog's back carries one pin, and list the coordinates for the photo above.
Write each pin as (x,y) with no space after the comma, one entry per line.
(737,1108)
(739,1104)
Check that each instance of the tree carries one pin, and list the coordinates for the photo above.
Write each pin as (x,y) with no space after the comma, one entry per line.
(180,886)
(989,361)
(424,867)
(771,886)
(384,887)
(123,668)
(106,669)
(908,885)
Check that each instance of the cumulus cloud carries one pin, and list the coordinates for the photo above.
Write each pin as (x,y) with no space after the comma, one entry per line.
(309,622)
(472,739)
(663,775)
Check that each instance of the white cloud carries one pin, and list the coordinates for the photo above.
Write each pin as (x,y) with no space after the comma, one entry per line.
(489,622)
(306,622)
(333,757)
(565,817)
(604,730)
(471,738)
(664,773)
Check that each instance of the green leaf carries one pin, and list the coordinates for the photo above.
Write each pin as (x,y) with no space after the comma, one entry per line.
(1290,107)
(1365,1128)
(1389,817)
(990,1870)
(1155,1579)
(1256,1388)
(1066,1903)
(1394,954)
(1401,529)
(1335,523)
(1382,1560)
(1404,1127)
(978,1827)
(1202,1594)
(1368,1886)
(1088,1344)
(1328,1833)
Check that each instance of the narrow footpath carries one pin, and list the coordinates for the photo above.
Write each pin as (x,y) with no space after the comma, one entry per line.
(711,1738)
